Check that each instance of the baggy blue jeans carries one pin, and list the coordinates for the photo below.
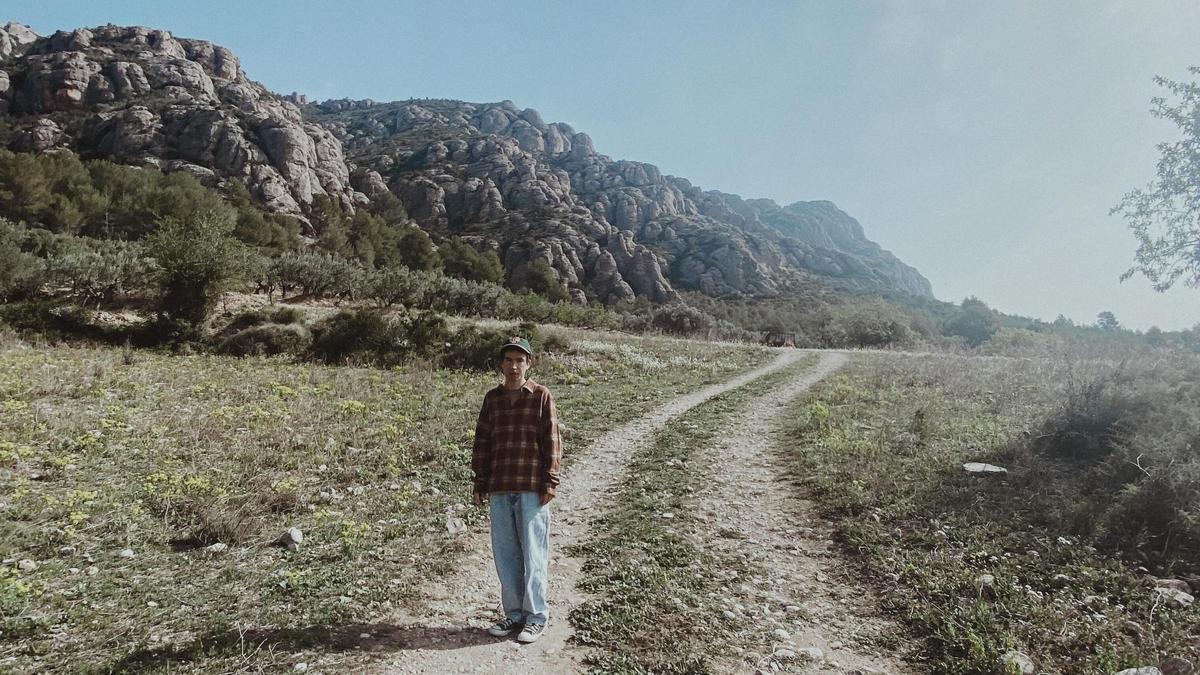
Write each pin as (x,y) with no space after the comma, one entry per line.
(521,548)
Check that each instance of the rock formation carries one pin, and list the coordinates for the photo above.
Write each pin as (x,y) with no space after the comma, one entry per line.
(495,174)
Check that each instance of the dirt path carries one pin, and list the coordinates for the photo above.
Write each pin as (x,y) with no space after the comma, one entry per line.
(450,639)
(821,619)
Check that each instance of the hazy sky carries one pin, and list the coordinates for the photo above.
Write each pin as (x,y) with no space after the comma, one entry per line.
(982,142)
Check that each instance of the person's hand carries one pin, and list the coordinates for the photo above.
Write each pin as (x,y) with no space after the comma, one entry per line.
(477,497)
(546,497)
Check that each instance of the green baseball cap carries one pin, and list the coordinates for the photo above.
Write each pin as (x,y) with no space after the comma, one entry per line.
(519,343)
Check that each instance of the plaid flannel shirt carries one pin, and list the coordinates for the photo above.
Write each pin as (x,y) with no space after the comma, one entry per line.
(517,444)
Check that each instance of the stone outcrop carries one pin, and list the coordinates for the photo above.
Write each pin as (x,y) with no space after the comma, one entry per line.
(495,174)
(141,96)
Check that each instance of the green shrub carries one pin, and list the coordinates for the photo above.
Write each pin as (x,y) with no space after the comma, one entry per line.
(21,274)
(363,333)
(244,320)
(268,339)
(681,319)
(874,324)
(461,259)
(288,315)
(974,322)
(198,258)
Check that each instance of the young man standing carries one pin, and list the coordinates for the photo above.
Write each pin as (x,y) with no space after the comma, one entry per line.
(516,463)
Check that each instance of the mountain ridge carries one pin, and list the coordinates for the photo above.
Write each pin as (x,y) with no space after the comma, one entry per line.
(496,175)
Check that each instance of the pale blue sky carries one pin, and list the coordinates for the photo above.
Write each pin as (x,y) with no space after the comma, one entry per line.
(982,142)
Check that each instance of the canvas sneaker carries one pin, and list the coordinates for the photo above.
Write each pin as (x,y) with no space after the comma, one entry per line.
(531,632)
(505,628)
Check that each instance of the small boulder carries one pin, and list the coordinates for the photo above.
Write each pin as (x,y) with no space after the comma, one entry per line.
(1060,581)
(27,565)
(1177,584)
(1174,597)
(1174,665)
(1141,670)
(810,653)
(291,539)
(784,654)
(125,553)
(980,468)
(216,548)
(456,526)
(1017,663)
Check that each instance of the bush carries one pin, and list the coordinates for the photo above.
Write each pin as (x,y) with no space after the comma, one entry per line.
(873,324)
(681,319)
(21,274)
(974,322)
(198,258)
(244,320)
(288,315)
(357,333)
(462,260)
(268,339)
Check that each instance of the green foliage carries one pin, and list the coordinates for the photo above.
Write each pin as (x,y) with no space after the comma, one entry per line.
(974,322)
(267,339)
(681,319)
(21,274)
(1107,321)
(416,250)
(875,324)
(101,270)
(1165,216)
(198,258)
(462,260)
(539,277)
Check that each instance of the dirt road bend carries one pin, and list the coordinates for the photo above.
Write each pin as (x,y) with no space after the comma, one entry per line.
(449,636)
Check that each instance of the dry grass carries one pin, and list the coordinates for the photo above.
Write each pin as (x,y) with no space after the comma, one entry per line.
(103,449)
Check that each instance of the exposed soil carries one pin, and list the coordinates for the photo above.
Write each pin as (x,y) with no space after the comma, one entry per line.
(803,591)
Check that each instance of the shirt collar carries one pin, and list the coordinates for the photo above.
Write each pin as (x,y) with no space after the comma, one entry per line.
(528,386)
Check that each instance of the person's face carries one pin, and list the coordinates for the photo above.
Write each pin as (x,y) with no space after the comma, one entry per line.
(514,364)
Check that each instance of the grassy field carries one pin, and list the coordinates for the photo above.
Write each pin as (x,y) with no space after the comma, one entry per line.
(119,471)
(1058,557)
(656,606)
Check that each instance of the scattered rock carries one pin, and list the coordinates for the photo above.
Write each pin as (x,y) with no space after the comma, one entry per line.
(781,634)
(125,553)
(811,653)
(66,551)
(1017,663)
(215,548)
(455,526)
(1060,581)
(729,615)
(1177,584)
(1132,627)
(291,539)
(1174,665)
(784,654)
(981,468)
(301,667)
(91,570)
(27,565)
(1174,597)
(1141,670)
(985,581)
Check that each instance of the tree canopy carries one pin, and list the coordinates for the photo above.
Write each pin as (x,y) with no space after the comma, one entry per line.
(1165,215)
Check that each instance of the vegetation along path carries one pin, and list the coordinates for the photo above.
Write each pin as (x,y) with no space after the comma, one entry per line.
(798,611)
(449,636)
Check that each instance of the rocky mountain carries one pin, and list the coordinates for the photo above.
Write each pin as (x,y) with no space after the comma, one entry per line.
(493,173)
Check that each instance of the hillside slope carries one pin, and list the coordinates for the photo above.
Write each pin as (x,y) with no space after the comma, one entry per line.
(495,174)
